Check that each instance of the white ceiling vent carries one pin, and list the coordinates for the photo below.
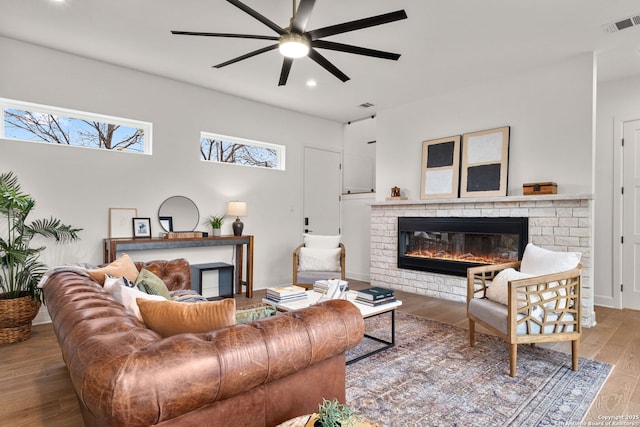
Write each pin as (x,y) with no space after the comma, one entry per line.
(614,27)
(366,105)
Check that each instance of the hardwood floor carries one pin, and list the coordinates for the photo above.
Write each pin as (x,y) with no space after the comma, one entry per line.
(35,389)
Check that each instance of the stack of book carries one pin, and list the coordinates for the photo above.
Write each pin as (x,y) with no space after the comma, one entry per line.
(286,293)
(375,296)
(324,286)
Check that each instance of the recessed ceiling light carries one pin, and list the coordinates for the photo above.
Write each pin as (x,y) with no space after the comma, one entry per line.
(312,83)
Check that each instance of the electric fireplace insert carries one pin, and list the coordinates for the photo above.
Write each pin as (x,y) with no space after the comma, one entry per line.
(451,245)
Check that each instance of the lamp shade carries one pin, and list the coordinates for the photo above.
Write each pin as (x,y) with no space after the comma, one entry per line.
(235,208)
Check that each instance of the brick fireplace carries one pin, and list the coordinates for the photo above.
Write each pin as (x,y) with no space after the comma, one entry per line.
(558,222)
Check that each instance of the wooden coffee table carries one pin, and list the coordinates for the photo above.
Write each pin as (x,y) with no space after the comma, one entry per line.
(313,297)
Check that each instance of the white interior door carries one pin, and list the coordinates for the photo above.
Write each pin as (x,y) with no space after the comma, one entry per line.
(321,191)
(631,216)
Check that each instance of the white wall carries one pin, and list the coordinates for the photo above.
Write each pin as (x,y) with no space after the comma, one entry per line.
(549,110)
(617,101)
(80,185)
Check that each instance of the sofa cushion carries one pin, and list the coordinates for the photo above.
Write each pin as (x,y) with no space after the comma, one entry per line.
(169,318)
(120,290)
(151,284)
(254,312)
(123,266)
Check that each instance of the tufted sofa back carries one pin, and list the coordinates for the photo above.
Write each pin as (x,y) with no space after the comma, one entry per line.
(175,273)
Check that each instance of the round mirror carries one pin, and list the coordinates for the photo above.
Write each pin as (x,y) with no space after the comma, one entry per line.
(178,213)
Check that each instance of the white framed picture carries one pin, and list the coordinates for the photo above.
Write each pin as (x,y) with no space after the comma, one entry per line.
(120,222)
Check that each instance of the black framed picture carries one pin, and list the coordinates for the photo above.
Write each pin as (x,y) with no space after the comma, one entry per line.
(166,222)
(485,163)
(141,227)
(440,168)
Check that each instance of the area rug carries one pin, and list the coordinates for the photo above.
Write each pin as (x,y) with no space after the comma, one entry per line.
(432,377)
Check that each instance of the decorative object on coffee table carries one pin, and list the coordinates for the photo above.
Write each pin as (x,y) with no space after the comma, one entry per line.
(216,221)
(440,168)
(237,209)
(20,270)
(332,413)
(485,163)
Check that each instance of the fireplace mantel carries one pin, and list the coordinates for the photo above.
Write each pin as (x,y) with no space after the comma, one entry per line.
(505,199)
(562,222)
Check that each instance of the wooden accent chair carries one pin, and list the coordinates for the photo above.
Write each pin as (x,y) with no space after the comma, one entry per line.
(543,308)
(318,258)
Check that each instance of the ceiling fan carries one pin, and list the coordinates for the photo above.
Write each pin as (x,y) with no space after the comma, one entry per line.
(295,42)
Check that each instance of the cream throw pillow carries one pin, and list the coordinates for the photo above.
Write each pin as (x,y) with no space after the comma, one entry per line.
(321,242)
(498,291)
(123,266)
(312,259)
(169,318)
(539,261)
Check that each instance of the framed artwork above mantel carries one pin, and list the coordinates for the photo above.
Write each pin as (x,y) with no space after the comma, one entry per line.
(440,168)
(485,163)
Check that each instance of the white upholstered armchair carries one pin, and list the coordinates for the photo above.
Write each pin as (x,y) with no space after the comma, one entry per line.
(536,300)
(318,258)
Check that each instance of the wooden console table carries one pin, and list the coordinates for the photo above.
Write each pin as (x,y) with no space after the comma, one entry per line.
(114,247)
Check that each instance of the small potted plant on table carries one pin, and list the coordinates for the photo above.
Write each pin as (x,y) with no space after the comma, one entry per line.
(215,221)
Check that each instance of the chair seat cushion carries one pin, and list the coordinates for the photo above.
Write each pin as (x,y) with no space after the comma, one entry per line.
(310,277)
(495,315)
(318,259)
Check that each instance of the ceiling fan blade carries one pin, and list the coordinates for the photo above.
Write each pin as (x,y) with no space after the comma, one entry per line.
(357,24)
(324,63)
(266,21)
(286,68)
(247,55)
(237,36)
(302,15)
(323,44)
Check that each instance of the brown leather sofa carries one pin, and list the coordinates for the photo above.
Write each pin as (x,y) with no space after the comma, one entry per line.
(256,374)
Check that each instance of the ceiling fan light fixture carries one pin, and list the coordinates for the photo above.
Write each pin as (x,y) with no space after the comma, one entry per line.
(294,45)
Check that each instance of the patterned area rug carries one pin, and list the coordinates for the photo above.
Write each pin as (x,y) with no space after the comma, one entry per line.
(433,378)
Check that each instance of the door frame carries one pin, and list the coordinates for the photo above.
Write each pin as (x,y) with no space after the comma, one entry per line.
(618,171)
(302,189)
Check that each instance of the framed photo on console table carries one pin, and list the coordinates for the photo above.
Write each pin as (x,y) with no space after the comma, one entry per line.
(120,222)
(141,227)
(440,168)
(485,163)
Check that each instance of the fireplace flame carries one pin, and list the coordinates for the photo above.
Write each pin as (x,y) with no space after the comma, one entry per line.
(466,257)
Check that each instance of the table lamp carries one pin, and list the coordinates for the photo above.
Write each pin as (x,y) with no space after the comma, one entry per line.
(237,209)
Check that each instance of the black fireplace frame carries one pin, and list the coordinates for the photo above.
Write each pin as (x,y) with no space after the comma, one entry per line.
(484,225)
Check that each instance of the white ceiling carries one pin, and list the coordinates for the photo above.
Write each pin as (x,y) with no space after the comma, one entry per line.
(444,44)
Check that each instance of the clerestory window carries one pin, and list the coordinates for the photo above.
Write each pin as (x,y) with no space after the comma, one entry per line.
(239,151)
(54,125)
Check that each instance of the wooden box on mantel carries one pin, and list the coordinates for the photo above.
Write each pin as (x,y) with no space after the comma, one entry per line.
(537,188)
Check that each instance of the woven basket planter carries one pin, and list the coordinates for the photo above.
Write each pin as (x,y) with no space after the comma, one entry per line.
(16,315)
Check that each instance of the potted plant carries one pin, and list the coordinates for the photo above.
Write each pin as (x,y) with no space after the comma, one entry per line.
(215,221)
(20,269)
(332,413)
